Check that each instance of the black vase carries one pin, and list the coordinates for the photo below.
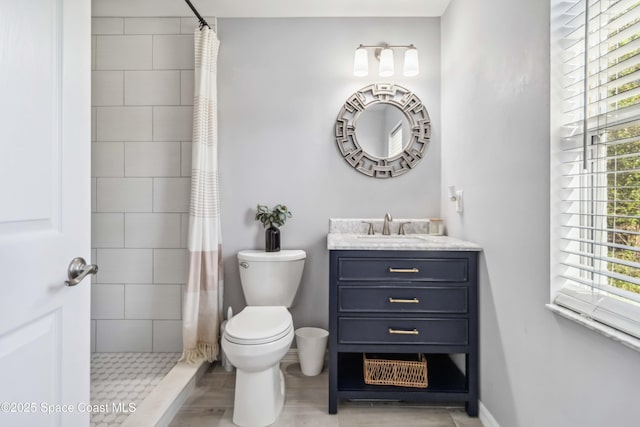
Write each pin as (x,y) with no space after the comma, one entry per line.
(272,239)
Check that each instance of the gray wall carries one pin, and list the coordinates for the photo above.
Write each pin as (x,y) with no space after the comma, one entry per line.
(537,369)
(282,83)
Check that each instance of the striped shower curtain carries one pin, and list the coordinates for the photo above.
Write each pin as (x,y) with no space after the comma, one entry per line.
(202,308)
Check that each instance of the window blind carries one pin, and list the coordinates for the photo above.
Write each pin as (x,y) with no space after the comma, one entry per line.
(599,154)
(395,141)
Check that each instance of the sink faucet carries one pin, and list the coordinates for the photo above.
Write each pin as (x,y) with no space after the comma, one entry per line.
(385,227)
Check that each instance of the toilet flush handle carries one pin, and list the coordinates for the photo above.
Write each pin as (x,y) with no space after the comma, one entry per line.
(244,264)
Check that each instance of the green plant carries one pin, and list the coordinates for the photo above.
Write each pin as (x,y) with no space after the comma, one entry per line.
(277,216)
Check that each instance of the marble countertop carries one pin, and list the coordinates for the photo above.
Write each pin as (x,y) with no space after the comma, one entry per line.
(409,242)
(350,234)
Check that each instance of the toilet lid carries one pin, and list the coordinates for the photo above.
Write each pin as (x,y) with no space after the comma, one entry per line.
(262,256)
(259,325)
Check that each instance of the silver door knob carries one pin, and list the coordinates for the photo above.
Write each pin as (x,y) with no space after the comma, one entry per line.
(78,270)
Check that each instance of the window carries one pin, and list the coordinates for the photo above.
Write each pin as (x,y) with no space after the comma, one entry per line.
(395,140)
(596,160)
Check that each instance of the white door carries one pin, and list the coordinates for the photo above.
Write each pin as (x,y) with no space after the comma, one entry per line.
(45,63)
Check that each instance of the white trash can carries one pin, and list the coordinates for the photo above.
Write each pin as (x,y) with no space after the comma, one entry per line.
(312,343)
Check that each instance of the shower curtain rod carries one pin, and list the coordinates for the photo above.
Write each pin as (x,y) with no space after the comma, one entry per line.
(200,18)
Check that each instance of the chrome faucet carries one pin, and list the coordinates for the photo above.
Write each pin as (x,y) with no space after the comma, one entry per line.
(385,227)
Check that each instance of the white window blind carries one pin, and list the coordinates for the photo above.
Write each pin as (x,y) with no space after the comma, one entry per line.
(395,140)
(599,157)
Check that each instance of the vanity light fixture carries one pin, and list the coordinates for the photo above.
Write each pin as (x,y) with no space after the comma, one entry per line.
(384,54)
(386,63)
(411,67)
(361,62)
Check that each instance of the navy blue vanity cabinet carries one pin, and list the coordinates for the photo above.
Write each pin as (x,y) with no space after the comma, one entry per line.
(376,295)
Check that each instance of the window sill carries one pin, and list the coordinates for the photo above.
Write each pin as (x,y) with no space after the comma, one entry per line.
(595,326)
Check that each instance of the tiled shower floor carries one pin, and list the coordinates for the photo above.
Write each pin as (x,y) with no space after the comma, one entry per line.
(118,379)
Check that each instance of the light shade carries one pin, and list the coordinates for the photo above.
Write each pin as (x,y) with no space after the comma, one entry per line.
(361,62)
(386,63)
(411,67)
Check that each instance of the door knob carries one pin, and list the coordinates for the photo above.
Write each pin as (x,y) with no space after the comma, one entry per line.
(78,270)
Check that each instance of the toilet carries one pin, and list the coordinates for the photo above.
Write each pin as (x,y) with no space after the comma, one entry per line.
(257,338)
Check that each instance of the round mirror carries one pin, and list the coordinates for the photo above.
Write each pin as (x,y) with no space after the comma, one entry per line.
(383,130)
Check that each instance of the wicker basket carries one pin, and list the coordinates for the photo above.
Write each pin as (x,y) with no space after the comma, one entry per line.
(402,373)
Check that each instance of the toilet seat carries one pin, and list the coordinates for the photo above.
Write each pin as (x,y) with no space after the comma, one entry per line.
(259,325)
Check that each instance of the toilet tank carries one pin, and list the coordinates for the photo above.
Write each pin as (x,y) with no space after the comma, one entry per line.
(270,278)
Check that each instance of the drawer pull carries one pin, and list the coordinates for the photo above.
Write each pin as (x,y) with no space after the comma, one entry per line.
(404,332)
(405,301)
(403,270)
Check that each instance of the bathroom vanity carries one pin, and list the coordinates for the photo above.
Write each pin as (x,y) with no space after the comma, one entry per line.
(398,295)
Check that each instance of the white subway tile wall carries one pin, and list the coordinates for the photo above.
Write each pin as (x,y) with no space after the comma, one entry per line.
(152,230)
(107,230)
(167,335)
(107,26)
(125,266)
(171,194)
(158,158)
(94,125)
(107,302)
(93,52)
(153,302)
(124,123)
(152,87)
(93,336)
(124,335)
(94,258)
(169,265)
(185,166)
(123,52)
(172,52)
(184,231)
(188,24)
(124,194)
(94,202)
(142,97)
(107,88)
(172,123)
(186,87)
(107,159)
(152,25)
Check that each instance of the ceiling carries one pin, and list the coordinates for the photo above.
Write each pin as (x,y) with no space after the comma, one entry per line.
(272,8)
(311,8)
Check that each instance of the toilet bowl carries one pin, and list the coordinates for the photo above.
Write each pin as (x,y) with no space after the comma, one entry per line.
(257,338)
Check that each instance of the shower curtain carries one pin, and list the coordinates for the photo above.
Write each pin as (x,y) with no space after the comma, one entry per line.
(202,311)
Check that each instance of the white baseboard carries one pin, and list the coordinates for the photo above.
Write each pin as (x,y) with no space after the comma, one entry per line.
(485,416)
(291,356)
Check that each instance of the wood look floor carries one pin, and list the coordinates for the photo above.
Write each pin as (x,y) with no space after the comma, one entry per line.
(211,405)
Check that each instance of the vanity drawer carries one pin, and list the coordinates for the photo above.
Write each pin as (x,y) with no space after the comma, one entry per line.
(403,299)
(438,331)
(403,269)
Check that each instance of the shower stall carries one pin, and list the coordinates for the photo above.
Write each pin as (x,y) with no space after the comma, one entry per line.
(142,117)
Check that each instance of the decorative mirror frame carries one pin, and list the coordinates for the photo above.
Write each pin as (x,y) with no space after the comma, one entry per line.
(413,110)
